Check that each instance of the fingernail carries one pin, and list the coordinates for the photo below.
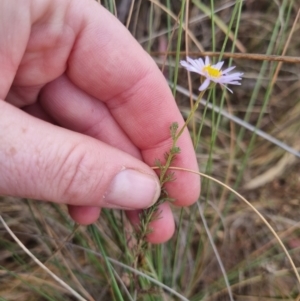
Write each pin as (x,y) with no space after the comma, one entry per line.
(131,189)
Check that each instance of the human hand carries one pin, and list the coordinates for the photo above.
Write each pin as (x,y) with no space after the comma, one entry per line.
(84,113)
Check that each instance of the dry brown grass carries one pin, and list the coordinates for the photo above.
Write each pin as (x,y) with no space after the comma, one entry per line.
(256,267)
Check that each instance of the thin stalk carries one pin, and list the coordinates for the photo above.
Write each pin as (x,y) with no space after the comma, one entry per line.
(170,157)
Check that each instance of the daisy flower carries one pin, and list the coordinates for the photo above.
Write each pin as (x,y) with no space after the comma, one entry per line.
(212,73)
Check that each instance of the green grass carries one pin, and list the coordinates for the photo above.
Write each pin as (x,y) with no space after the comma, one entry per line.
(222,249)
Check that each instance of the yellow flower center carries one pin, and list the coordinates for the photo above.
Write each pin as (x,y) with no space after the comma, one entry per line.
(212,72)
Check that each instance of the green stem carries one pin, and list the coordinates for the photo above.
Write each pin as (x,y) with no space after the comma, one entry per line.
(148,213)
(170,157)
(189,117)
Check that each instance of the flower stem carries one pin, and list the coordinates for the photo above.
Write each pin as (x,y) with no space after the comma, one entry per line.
(171,155)
(149,214)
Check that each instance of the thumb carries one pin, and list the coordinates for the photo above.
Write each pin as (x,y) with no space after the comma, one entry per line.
(41,161)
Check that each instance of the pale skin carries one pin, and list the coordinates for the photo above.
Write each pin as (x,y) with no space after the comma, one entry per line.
(80,102)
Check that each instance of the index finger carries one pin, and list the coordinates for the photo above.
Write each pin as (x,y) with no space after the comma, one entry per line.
(108,63)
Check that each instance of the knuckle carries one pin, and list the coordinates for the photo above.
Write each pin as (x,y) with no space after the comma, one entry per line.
(79,178)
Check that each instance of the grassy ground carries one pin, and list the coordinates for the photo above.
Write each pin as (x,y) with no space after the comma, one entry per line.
(222,250)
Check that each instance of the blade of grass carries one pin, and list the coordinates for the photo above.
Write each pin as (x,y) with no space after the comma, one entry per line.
(62,283)
(99,243)
(178,46)
(211,240)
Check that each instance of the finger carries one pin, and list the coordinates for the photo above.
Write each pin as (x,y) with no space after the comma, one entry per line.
(13,41)
(93,47)
(37,111)
(61,99)
(46,162)
(162,227)
(76,110)
(84,215)
(102,58)
(129,82)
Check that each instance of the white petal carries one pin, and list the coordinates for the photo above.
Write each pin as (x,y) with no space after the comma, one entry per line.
(192,62)
(200,64)
(228,81)
(218,65)
(197,64)
(235,75)
(207,62)
(234,83)
(204,85)
(188,66)
(228,70)
(228,89)
(183,63)
(189,59)
(230,78)
(223,86)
